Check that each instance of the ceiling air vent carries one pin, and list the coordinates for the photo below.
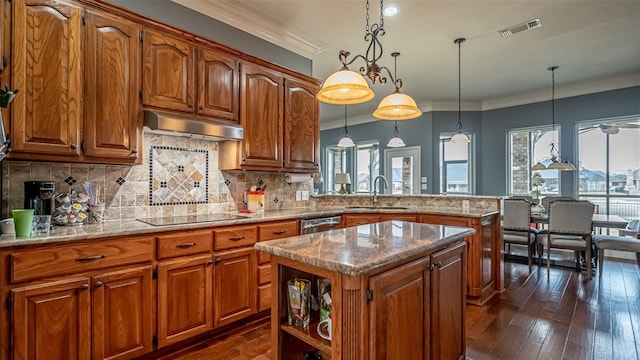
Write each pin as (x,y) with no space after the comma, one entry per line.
(527,25)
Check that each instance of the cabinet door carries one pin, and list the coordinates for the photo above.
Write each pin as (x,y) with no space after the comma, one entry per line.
(218,85)
(261,117)
(301,126)
(46,64)
(52,321)
(122,313)
(448,303)
(112,117)
(235,284)
(184,298)
(399,312)
(168,73)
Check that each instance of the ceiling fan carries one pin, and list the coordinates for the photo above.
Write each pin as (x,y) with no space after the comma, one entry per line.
(610,129)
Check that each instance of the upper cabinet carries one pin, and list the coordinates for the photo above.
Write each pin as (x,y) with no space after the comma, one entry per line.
(181,77)
(261,117)
(301,126)
(46,64)
(79,78)
(112,111)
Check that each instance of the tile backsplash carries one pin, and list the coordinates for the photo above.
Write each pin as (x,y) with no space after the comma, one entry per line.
(178,176)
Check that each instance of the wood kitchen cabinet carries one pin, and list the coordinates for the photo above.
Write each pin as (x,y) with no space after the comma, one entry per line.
(234,285)
(46,66)
(483,256)
(179,76)
(112,126)
(301,126)
(107,316)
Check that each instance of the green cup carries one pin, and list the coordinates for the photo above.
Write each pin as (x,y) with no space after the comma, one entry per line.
(23,222)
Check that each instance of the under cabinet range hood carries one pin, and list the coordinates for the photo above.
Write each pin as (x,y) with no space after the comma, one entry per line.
(177,125)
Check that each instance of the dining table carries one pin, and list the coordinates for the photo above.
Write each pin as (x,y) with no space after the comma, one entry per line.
(599,221)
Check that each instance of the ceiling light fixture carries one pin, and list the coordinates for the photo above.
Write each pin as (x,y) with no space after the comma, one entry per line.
(346,140)
(396,141)
(555,160)
(346,87)
(459,137)
(390,11)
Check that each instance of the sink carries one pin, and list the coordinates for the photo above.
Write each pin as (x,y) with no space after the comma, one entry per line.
(377,207)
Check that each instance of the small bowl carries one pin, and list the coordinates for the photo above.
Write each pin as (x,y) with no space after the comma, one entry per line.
(6,226)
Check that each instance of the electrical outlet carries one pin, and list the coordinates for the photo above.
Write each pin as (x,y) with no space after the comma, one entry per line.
(465,206)
(305,195)
(298,195)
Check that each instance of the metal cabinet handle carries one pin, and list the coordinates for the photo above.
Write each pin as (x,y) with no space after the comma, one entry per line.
(236,238)
(98,284)
(73,146)
(279,232)
(134,151)
(186,245)
(201,107)
(91,258)
(218,260)
(84,287)
(190,105)
(210,262)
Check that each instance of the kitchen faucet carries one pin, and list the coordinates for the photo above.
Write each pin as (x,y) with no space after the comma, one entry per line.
(374,199)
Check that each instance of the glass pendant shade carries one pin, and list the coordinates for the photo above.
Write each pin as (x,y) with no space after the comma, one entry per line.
(460,138)
(397,106)
(566,165)
(346,142)
(345,87)
(396,142)
(538,166)
(556,165)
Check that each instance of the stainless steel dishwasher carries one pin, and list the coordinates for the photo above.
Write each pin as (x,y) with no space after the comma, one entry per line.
(309,226)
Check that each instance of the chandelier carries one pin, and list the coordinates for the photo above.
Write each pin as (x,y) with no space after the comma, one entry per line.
(347,87)
(555,160)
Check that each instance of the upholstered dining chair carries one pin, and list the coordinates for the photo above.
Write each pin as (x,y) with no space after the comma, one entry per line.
(516,224)
(619,243)
(547,200)
(570,227)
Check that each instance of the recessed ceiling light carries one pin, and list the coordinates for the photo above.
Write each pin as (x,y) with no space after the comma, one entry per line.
(390,11)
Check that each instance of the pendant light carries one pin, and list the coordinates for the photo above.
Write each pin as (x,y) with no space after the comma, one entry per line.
(346,140)
(556,162)
(396,141)
(347,87)
(459,137)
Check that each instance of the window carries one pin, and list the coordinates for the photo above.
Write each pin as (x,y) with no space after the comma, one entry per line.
(367,166)
(609,172)
(527,147)
(455,169)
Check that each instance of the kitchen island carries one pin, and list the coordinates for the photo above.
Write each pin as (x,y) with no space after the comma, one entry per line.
(397,291)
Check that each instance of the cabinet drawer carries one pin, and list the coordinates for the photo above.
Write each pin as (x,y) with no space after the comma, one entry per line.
(264,274)
(264,297)
(263,257)
(185,243)
(232,237)
(33,264)
(278,230)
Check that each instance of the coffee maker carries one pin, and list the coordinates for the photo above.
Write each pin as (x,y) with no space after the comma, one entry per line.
(38,195)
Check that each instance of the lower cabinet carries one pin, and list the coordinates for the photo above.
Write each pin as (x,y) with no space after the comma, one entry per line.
(185,289)
(106,316)
(235,289)
(414,314)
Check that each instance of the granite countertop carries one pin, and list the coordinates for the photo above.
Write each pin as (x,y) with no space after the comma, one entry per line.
(358,250)
(134,227)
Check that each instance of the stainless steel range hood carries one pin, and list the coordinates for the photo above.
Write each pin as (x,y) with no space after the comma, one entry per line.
(171,124)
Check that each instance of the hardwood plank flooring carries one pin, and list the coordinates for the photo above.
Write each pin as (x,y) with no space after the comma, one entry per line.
(556,314)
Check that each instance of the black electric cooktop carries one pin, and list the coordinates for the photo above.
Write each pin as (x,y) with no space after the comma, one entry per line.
(189,219)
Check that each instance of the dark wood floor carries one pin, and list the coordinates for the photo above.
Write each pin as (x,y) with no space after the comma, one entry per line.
(543,315)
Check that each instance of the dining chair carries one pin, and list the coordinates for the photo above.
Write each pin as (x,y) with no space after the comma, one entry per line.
(619,243)
(570,227)
(516,226)
(547,200)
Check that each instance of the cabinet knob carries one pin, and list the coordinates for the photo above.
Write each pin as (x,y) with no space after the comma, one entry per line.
(201,107)
(73,146)
(210,262)
(98,284)
(218,260)
(190,105)
(134,151)
(84,287)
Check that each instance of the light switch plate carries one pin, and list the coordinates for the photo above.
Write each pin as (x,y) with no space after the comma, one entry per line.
(465,206)
(298,195)
(305,195)
(424,179)
(423,186)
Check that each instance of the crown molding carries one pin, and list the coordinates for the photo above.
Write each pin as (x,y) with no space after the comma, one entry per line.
(590,87)
(247,19)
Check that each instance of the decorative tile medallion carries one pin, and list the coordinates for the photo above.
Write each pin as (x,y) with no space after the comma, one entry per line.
(178,176)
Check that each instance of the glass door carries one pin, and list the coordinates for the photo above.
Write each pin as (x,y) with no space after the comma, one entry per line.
(402,170)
